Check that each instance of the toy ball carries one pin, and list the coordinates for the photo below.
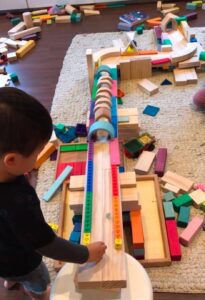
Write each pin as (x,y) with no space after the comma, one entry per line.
(199,99)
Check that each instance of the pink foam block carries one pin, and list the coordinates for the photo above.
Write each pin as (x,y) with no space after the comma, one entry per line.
(114,152)
(191,230)
(173,239)
(114,88)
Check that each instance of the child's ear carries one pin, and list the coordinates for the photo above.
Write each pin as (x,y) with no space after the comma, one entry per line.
(10,159)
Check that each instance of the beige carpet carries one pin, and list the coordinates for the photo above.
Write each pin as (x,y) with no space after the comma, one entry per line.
(178,126)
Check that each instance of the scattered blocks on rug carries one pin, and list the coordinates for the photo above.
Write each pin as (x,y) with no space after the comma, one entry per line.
(151,110)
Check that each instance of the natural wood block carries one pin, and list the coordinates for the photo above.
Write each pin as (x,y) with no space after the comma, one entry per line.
(179,181)
(198,197)
(62,19)
(171,188)
(189,63)
(12,56)
(144,162)
(127,179)
(24,33)
(185,76)
(125,70)
(148,87)
(19,27)
(89,12)
(170,10)
(39,12)
(140,67)
(77,183)
(27,19)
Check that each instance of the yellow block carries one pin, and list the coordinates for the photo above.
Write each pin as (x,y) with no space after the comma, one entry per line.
(86,238)
(25,49)
(53,226)
(44,155)
(118,244)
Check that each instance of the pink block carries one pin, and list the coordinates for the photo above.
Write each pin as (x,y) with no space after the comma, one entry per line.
(191,230)
(115,152)
(114,88)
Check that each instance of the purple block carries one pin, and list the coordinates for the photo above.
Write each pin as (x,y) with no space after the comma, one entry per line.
(191,16)
(158,31)
(34,37)
(160,162)
(53,156)
(81,130)
(124,26)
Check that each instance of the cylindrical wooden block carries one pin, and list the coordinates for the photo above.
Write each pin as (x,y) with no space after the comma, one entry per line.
(103,113)
(104,83)
(104,89)
(103,95)
(28,19)
(103,100)
(102,105)
(70,9)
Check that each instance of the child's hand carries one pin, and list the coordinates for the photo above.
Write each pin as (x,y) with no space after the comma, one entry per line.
(96,251)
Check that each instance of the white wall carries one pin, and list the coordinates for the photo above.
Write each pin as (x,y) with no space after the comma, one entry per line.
(47,3)
(12,4)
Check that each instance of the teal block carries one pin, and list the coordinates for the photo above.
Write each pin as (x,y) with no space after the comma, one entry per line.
(184,200)
(183,217)
(57,183)
(168,211)
(14,77)
(202,55)
(169,196)
(15,21)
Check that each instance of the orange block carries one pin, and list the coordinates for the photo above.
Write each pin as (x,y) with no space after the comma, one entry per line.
(44,155)
(120,93)
(137,230)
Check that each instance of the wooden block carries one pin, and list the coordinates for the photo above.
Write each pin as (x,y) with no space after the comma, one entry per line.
(140,67)
(183,200)
(19,27)
(171,188)
(25,49)
(27,19)
(39,12)
(198,197)
(148,87)
(4,51)
(137,230)
(12,56)
(37,22)
(125,70)
(87,7)
(89,12)
(183,217)
(44,155)
(58,182)
(191,230)
(130,199)
(63,19)
(144,162)
(173,239)
(179,181)
(166,48)
(127,179)
(169,196)
(168,5)
(189,63)
(26,32)
(184,54)
(77,183)
(159,5)
(168,211)
(12,44)
(70,9)
(160,162)
(167,19)
(170,10)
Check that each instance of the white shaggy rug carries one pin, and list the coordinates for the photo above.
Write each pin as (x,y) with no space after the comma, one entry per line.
(178,126)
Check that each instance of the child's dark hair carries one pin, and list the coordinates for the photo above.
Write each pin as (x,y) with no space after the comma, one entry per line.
(25,123)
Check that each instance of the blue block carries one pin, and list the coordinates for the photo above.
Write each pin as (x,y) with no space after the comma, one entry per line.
(77,219)
(193,40)
(166,82)
(121,169)
(77,227)
(75,237)
(151,110)
(57,183)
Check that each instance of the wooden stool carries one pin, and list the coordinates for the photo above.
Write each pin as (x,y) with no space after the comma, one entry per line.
(138,285)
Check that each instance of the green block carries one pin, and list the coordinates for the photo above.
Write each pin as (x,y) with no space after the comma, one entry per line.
(75,17)
(169,196)
(15,21)
(133,146)
(60,127)
(179,19)
(119,101)
(167,42)
(94,89)
(49,22)
(14,77)
(81,147)
(67,148)
(168,211)
(143,26)
(184,200)
(202,55)
(183,217)
(139,30)
(202,206)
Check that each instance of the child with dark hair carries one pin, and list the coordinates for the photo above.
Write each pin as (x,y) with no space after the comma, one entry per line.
(25,237)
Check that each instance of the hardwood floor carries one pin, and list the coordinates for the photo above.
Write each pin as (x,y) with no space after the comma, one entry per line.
(38,74)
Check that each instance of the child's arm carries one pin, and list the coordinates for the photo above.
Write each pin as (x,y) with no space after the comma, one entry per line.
(63,250)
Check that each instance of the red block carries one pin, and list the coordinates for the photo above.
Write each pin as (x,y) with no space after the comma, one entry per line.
(173,239)
(161,61)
